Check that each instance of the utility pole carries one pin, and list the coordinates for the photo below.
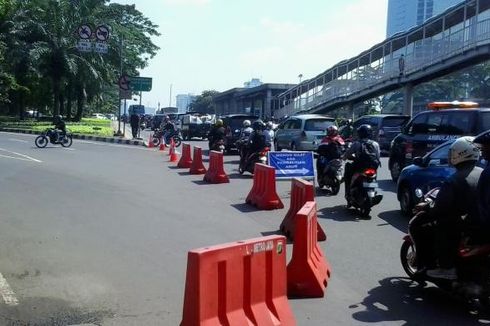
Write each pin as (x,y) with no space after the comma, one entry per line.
(170,97)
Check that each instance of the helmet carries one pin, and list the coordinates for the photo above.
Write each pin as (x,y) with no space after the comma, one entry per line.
(463,150)
(258,125)
(270,125)
(246,123)
(332,131)
(364,131)
(483,138)
(219,123)
(57,118)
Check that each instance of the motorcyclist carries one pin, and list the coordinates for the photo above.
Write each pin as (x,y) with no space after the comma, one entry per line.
(347,129)
(257,140)
(59,126)
(331,148)
(168,128)
(483,140)
(242,142)
(456,198)
(354,153)
(269,133)
(216,133)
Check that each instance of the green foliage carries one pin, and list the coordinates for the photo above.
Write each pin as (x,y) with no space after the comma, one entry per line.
(204,103)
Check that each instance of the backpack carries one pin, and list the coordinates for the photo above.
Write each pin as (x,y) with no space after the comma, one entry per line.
(368,157)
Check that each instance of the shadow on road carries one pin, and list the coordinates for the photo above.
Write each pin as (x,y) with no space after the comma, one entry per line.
(338,213)
(245,208)
(396,219)
(184,173)
(240,176)
(174,167)
(400,299)
(387,185)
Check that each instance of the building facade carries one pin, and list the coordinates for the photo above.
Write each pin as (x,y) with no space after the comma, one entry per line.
(183,101)
(405,14)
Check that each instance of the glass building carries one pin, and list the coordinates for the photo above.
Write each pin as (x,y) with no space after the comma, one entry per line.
(405,14)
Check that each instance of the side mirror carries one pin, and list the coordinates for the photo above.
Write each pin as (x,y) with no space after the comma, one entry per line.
(419,161)
(435,162)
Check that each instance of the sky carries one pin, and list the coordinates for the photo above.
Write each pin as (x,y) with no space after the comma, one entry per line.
(220,44)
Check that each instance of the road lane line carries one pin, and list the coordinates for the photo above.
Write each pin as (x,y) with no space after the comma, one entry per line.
(114,145)
(18,140)
(21,155)
(6,292)
(15,158)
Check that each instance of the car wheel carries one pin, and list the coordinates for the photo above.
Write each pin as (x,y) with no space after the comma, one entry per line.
(406,200)
(395,170)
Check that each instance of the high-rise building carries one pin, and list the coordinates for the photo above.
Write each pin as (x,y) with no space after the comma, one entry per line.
(405,14)
(183,101)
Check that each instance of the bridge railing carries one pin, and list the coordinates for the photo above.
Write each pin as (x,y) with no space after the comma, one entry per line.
(417,56)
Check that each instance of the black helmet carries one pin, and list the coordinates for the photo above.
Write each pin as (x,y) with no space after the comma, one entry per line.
(364,131)
(483,138)
(258,125)
(57,118)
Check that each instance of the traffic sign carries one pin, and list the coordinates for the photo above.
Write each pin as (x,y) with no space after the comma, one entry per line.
(102,33)
(140,84)
(123,83)
(292,164)
(101,47)
(84,32)
(84,46)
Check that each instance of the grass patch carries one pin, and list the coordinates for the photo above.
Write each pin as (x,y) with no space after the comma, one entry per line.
(94,127)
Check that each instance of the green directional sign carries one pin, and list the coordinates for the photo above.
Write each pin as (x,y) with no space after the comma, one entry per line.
(140,84)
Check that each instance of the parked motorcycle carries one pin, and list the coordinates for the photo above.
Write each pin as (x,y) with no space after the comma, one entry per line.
(417,255)
(364,192)
(54,137)
(248,164)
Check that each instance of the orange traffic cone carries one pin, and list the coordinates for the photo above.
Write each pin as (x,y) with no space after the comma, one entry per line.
(162,145)
(172,147)
(174,157)
(150,141)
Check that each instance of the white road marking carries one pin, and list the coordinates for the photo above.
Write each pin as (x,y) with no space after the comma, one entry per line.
(21,155)
(113,145)
(6,292)
(15,158)
(19,140)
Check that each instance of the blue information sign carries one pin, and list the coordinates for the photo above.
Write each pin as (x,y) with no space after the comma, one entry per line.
(292,164)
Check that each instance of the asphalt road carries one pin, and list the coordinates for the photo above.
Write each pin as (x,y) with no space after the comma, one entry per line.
(99,233)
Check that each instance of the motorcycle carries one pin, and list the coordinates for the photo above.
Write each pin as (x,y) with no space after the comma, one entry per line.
(158,135)
(330,173)
(417,255)
(363,192)
(218,146)
(54,137)
(248,163)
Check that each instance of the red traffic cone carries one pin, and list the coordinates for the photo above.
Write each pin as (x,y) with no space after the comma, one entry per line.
(174,157)
(150,141)
(172,147)
(162,145)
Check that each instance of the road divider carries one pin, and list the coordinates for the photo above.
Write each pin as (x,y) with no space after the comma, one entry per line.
(302,191)
(263,194)
(239,283)
(185,161)
(197,167)
(216,171)
(308,271)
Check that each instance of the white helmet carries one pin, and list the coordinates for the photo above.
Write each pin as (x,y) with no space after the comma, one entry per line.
(247,123)
(270,125)
(463,150)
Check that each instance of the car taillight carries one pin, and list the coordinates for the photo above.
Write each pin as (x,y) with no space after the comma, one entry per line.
(264,151)
(370,172)
(408,150)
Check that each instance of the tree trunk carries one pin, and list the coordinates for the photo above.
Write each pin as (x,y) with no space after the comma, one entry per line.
(80,104)
(56,97)
(68,105)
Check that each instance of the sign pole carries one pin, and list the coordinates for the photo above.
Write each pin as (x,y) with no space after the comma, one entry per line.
(124,122)
(139,129)
(119,102)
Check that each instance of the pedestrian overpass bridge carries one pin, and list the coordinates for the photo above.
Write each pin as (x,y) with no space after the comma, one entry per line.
(455,39)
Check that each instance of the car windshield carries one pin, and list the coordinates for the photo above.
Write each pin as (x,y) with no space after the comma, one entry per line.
(394,121)
(318,124)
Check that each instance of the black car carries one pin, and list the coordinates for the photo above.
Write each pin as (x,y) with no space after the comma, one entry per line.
(385,127)
(233,124)
(442,122)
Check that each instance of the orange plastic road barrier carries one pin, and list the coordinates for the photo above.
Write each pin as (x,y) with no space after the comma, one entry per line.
(308,270)
(263,194)
(216,171)
(150,141)
(239,283)
(185,159)
(197,167)
(301,192)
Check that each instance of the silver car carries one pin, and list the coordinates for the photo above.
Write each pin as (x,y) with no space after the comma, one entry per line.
(302,132)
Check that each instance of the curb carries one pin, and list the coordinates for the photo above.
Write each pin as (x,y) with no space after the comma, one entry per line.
(112,140)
